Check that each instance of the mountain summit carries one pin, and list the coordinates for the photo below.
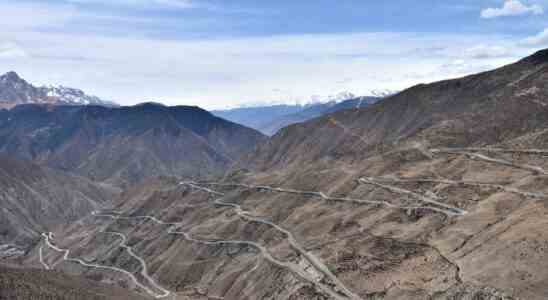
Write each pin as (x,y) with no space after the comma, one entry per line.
(14,91)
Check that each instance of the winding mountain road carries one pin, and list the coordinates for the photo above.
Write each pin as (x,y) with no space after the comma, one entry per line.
(66,253)
(500,150)
(482,157)
(144,268)
(453,211)
(41,257)
(335,288)
(312,259)
(341,292)
(293,268)
(427,199)
(534,195)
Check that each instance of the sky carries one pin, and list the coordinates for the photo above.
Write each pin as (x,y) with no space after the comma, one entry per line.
(228,53)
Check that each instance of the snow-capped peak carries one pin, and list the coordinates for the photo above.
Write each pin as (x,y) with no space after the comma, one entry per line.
(73,96)
(342,96)
(337,98)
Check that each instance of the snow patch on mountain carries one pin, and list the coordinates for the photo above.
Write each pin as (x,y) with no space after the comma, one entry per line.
(73,96)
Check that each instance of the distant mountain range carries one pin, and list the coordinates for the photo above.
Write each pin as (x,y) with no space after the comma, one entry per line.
(15,91)
(270,119)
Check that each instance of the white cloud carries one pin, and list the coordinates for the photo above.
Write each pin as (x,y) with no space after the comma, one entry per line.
(540,39)
(512,8)
(10,50)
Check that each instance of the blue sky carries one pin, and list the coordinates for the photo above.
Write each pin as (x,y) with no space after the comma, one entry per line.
(238,52)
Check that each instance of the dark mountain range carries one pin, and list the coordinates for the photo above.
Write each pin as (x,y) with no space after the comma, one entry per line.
(124,145)
(270,119)
(15,91)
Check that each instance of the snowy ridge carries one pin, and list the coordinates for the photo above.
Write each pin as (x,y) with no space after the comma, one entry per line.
(73,96)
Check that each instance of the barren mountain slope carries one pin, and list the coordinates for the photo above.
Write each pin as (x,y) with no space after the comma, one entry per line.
(444,203)
(17,284)
(124,145)
(35,199)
